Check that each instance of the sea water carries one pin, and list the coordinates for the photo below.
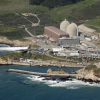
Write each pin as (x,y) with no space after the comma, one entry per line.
(4,52)
(14,86)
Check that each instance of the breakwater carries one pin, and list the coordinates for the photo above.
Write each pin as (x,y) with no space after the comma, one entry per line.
(43,74)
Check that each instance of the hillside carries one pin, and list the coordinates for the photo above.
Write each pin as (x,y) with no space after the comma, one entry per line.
(9,6)
(53,3)
(78,12)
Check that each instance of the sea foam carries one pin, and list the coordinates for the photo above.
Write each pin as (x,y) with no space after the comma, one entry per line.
(74,84)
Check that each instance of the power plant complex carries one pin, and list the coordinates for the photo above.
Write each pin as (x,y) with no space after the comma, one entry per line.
(71,29)
(66,35)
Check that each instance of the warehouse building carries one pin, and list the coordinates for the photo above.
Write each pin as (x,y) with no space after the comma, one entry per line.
(68,53)
(54,33)
(69,41)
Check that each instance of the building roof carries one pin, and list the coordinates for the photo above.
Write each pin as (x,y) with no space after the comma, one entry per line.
(56,30)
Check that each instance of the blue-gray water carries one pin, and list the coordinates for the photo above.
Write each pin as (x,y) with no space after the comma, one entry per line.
(15,86)
(4,52)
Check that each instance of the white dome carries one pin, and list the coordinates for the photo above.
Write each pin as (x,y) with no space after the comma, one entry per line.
(64,25)
(72,30)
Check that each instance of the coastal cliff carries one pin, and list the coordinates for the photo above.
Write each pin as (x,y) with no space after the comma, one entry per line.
(90,75)
(4,40)
(5,62)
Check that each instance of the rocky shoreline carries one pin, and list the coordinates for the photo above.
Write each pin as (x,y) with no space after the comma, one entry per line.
(87,76)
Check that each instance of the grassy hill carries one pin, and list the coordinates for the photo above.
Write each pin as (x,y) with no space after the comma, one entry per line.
(77,11)
(84,10)
(94,22)
(9,6)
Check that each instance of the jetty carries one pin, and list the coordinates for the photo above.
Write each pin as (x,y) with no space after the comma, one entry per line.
(43,74)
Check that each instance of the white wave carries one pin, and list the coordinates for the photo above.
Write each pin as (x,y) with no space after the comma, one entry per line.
(74,84)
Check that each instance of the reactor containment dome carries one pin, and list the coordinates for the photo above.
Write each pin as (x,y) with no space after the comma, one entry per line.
(72,30)
(64,25)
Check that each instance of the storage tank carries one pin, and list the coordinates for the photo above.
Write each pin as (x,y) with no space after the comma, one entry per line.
(64,25)
(72,30)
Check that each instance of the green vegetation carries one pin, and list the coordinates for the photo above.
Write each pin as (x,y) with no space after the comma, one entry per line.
(4,58)
(80,11)
(44,21)
(7,29)
(53,3)
(27,56)
(13,20)
(13,33)
(36,46)
(74,12)
(90,67)
(51,52)
(97,71)
(84,59)
(20,6)
(94,22)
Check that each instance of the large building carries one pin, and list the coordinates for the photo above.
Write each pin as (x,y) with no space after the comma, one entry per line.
(54,33)
(69,41)
(64,25)
(71,29)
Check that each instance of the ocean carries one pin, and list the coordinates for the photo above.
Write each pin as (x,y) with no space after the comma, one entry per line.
(14,86)
(4,52)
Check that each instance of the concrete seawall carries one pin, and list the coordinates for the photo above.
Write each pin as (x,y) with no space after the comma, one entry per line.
(43,74)
(48,64)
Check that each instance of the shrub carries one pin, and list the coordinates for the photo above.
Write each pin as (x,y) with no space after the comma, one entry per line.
(90,67)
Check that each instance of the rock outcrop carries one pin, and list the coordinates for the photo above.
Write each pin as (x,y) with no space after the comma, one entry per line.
(50,71)
(87,76)
(4,62)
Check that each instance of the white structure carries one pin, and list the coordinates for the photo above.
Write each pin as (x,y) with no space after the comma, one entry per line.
(13,48)
(64,25)
(68,53)
(72,30)
(87,46)
(88,39)
(56,50)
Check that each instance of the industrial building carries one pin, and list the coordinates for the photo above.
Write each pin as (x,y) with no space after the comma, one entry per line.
(71,29)
(69,41)
(54,33)
(64,52)
(68,53)
(64,25)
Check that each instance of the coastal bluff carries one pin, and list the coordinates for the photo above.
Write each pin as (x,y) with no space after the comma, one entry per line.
(3,62)
(87,76)
(4,40)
